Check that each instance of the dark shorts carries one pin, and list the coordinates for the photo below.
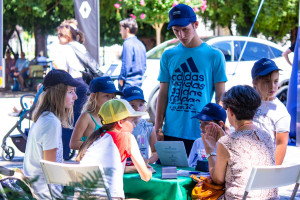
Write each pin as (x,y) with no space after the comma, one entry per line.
(24,75)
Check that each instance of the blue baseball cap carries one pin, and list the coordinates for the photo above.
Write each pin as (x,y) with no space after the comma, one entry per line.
(181,15)
(212,111)
(263,67)
(103,84)
(57,76)
(133,93)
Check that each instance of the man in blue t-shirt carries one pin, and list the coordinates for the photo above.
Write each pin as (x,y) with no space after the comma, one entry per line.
(133,56)
(189,75)
(20,70)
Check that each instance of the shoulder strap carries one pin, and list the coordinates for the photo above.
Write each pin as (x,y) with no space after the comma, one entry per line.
(78,53)
(94,120)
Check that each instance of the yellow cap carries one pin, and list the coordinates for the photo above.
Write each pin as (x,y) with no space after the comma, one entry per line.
(117,109)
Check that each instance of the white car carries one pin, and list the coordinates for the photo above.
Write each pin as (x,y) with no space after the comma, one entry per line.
(237,73)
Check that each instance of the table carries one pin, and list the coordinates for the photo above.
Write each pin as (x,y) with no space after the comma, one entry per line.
(157,188)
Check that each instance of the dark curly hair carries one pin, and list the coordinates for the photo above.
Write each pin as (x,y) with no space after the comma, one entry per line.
(243,100)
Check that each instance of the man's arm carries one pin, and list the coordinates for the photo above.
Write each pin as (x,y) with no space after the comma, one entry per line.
(127,56)
(219,90)
(286,55)
(162,102)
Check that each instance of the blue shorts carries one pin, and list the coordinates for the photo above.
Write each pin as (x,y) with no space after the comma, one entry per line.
(24,75)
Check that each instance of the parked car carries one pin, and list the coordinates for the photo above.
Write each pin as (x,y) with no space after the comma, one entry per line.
(237,73)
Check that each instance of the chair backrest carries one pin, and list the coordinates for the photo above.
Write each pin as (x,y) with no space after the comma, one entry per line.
(69,174)
(268,177)
(36,71)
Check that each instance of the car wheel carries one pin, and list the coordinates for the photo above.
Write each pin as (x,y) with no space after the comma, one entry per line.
(152,106)
(282,94)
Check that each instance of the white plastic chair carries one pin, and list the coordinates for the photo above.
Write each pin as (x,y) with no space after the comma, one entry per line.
(68,174)
(273,177)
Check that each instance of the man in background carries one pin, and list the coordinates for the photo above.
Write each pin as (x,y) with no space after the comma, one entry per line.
(133,56)
(20,70)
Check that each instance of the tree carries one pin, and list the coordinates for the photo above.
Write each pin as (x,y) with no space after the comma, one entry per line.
(275,20)
(154,12)
(40,17)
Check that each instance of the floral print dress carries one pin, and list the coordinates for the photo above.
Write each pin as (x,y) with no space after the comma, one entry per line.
(247,149)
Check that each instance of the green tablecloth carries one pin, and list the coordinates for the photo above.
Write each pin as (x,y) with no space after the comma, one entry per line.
(157,188)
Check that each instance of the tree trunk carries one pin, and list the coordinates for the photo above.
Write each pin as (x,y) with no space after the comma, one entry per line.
(40,42)
(158,28)
(6,38)
(21,47)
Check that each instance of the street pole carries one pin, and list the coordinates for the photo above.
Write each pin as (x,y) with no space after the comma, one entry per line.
(298,88)
(2,67)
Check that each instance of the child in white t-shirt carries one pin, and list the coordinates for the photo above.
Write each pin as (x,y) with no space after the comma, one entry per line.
(272,116)
(112,144)
(144,132)
(211,112)
(53,110)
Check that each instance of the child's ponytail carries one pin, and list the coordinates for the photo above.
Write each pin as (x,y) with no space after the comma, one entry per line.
(92,138)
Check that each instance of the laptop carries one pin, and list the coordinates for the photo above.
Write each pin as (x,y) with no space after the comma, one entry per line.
(111,70)
(172,153)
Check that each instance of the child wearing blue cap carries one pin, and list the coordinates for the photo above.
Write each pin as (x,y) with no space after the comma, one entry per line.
(211,113)
(144,131)
(272,116)
(101,90)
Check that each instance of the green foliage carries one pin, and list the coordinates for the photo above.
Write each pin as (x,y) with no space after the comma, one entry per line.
(46,14)
(275,20)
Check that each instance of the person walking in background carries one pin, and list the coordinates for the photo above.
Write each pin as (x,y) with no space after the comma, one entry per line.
(54,109)
(20,70)
(288,51)
(144,131)
(133,56)
(189,75)
(272,116)
(70,36)
(239,151)
(101,90)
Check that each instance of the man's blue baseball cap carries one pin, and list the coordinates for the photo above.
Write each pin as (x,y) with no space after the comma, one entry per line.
(133,93)
(212,111)
(263,67)
(103,84)
(181,15)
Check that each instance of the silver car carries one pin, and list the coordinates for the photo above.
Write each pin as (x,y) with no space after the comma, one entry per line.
(237,73)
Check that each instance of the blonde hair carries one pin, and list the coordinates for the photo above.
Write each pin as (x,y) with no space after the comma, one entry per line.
(91,104)
(53,100)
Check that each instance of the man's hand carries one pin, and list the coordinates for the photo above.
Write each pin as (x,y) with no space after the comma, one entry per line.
(121,82)
(160,135)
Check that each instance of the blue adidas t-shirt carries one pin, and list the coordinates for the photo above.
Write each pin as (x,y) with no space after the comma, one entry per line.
(191,74)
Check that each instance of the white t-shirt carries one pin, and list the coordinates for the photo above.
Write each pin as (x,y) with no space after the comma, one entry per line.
(272,116)
(104,151)
(197,152)
(66,59)
(44,134)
